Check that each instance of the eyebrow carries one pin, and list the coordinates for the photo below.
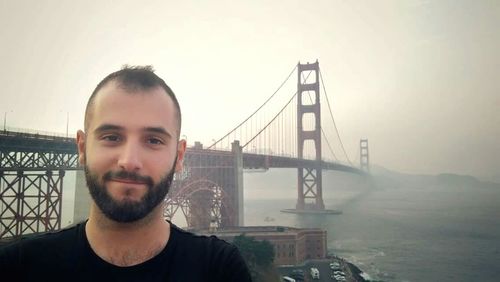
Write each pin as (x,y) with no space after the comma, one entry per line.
(107,127)
(159,130)
(151,129)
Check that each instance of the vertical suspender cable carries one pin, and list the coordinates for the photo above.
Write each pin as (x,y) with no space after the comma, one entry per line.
(240,124)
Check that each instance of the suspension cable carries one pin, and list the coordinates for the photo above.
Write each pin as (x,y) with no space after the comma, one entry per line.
(322,131)
(331,115)
(283,83)
(289,101)
(264,128)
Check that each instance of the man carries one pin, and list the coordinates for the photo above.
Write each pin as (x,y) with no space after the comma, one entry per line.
(130,151)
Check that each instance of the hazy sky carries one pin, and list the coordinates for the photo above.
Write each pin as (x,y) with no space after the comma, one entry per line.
(419,79)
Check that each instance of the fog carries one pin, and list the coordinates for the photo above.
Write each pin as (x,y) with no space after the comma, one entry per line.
(417,78)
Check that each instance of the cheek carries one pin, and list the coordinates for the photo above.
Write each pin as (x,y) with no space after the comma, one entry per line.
(99,160)
(159,166)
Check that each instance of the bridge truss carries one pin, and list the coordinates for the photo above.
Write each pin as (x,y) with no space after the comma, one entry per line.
(207,191)
(31,182)
(33,167)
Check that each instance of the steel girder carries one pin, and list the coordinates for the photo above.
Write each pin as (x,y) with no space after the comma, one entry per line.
(30,202)
(36,161)
(204,192)
(32,168)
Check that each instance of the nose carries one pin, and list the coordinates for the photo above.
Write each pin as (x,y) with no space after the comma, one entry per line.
(130,157)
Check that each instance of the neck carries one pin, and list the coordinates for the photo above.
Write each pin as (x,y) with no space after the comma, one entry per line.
(127,244)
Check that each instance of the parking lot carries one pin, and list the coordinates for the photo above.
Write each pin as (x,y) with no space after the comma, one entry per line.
(322,265)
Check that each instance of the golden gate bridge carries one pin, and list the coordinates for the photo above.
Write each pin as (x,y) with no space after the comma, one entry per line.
(209,190)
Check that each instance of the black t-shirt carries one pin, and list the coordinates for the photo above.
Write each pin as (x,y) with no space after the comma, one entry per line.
(67,256)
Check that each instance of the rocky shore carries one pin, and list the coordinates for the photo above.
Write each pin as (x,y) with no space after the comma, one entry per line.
(357,274)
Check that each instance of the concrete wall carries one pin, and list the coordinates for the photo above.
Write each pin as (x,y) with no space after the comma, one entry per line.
(238,176)
(82,198)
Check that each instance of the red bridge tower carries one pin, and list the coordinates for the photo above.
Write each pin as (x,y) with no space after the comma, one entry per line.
(310,194)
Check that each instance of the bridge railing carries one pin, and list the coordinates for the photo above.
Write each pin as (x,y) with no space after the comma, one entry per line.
(288,155)
(33,133)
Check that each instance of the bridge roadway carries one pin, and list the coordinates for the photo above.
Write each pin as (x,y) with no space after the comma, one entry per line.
(208,191)
(35,152)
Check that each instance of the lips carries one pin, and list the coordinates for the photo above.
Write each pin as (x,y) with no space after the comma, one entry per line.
(128,181)
(125,177)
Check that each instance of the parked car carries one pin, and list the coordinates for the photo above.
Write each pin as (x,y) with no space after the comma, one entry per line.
(338,277)
(314,273)
(297,274)
(340,273)
(335,265)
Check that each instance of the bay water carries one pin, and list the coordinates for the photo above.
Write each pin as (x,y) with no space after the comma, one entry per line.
(394,233)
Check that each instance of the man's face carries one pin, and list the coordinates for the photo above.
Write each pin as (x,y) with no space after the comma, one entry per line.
(130,151)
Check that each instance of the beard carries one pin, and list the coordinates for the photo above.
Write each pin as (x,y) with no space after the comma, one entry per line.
(127,211)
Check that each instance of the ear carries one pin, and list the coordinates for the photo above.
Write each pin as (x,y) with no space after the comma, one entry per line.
(80,142)
(181,151)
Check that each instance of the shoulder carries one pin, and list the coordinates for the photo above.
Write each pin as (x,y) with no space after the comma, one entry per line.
(210,242)
(43,239)
(27,249)
(222,259)
(201,244)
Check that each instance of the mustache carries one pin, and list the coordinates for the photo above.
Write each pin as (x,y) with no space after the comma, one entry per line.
(127,175)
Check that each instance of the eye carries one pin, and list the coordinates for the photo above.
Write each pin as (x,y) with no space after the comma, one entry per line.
(155,141)
(111,138)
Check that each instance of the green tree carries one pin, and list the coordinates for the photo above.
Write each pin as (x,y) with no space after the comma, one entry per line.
(264,253)
(259,256)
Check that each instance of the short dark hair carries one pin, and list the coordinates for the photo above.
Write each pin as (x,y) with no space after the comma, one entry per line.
(133,78)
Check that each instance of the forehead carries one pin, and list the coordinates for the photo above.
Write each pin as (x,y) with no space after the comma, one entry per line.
(133,109)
